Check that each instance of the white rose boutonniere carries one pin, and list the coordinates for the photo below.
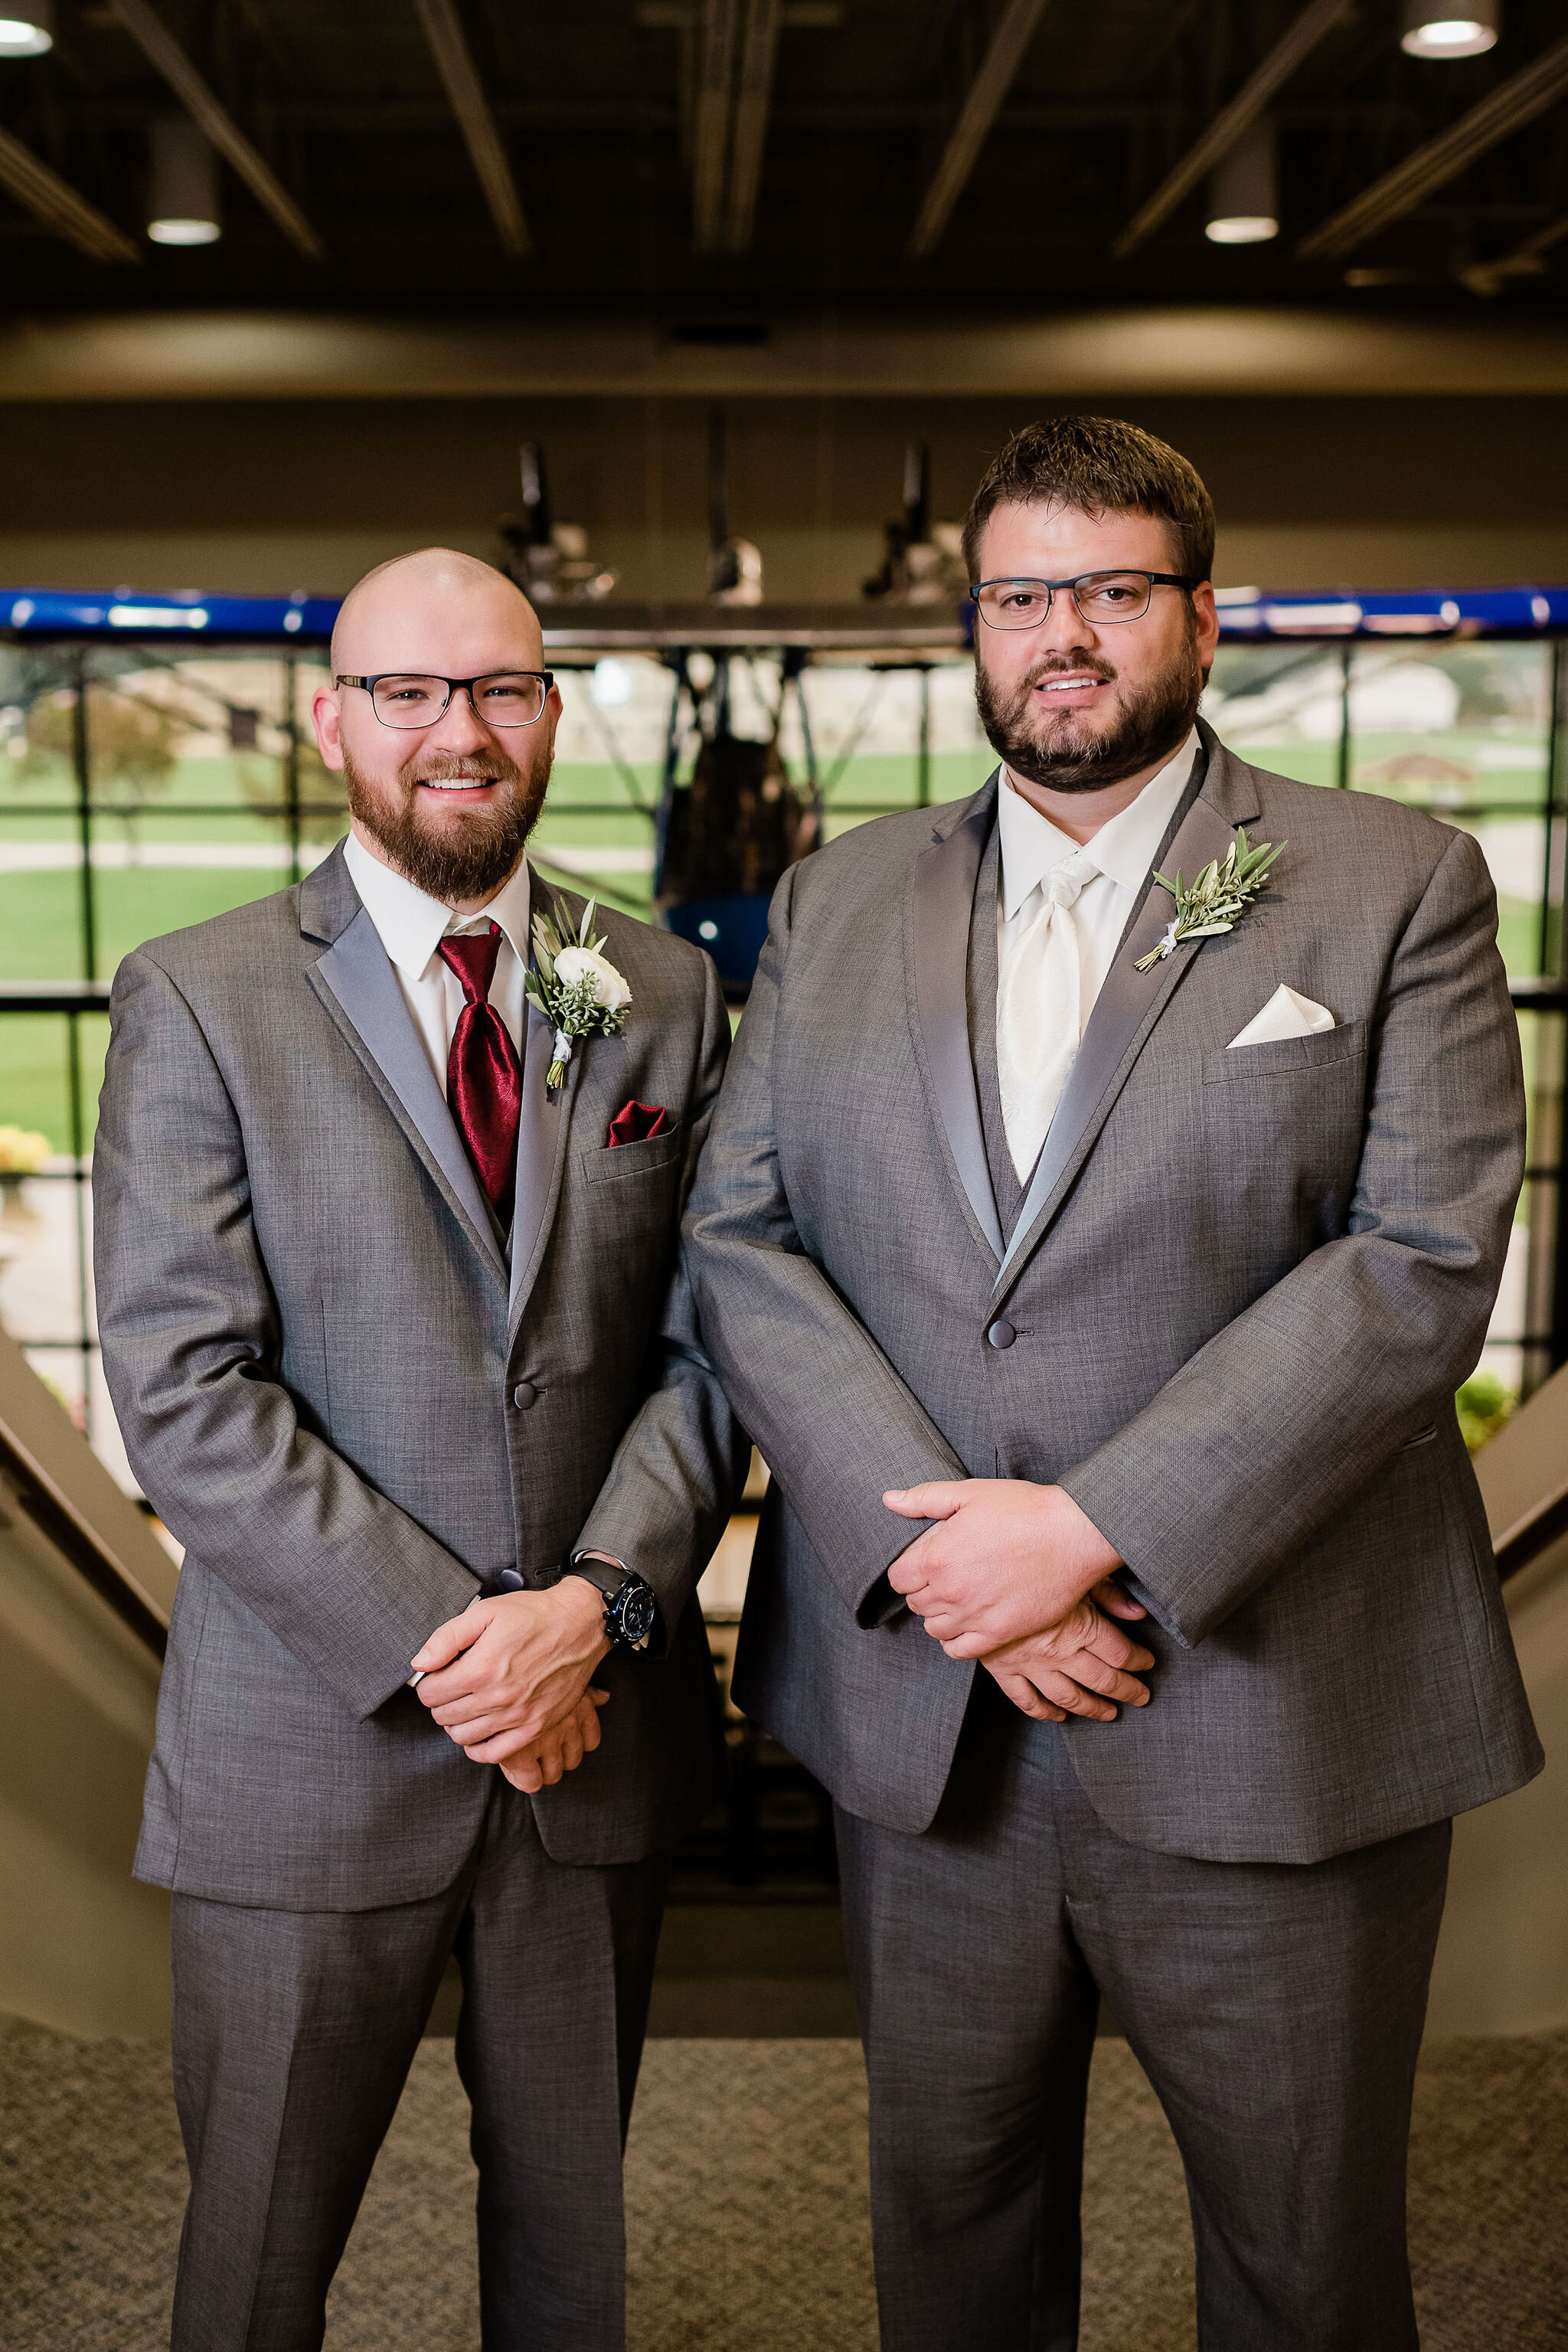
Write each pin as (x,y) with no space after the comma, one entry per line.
(575,988)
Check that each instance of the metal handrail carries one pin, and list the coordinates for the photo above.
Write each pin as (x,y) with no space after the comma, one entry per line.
(92,996)
(35,1492)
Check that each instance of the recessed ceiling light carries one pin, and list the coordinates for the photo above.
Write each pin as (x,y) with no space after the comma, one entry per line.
(27,32)
(1438,28)
(1242,228)
(183,232)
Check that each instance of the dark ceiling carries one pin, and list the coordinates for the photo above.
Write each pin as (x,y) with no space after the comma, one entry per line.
(629,134)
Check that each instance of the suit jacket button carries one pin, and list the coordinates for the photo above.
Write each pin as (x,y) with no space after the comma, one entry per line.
(1000,1334)
(524,1395)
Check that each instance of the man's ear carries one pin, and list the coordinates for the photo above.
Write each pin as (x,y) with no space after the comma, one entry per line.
(326,718)
(1205,618)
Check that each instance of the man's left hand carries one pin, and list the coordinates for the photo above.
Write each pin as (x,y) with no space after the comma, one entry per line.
(508,1669)
(1008,1561)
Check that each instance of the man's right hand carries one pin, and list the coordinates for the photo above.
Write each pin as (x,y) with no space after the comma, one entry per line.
(1082,1665)
(552,1753)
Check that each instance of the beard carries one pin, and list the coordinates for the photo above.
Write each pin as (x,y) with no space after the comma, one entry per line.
(1062,754)
(465,860)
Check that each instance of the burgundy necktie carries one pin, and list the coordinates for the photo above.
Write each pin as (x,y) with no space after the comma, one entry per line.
(484,1077)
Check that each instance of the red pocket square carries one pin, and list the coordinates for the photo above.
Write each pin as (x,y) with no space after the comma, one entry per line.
(635,1122)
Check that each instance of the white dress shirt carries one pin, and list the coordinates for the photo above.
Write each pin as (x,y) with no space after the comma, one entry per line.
(1061,908)
(412,924)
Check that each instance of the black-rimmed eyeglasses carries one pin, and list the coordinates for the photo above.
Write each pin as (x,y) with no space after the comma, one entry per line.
(500,698)
(1100,596)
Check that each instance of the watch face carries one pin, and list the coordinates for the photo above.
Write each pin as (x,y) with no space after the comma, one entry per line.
(636,1611)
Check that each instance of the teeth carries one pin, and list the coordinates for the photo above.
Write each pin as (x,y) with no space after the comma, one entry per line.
(1068,685)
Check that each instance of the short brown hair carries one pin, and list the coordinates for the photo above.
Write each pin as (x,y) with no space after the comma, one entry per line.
(1100,465)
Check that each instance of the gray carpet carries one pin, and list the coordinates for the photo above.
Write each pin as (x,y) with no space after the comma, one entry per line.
(747,2203)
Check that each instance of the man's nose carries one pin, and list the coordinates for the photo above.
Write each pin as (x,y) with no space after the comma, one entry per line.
(1064,629)
(459,726)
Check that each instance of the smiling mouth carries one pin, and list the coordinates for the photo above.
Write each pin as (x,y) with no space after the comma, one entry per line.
(457,784)
(1073,684)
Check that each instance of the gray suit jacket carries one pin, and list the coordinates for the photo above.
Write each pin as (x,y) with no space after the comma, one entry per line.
(1245,1284)
(312,1332)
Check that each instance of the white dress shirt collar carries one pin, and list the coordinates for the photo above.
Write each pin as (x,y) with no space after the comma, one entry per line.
(1123,849)
(412,924)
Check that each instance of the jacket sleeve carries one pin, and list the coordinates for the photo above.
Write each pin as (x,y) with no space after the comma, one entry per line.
(1279,1420)
(835,1424)
(192,1352)
(678,1470)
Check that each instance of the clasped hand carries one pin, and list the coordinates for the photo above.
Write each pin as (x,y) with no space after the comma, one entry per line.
(1016,1576)
(508,1680)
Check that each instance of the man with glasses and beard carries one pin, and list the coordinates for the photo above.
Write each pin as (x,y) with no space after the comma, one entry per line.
(1123,1574)
(394,1332)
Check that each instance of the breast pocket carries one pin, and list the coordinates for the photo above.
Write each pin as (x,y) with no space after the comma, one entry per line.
(615,1163)
(1283,1123)
(1285,1057)
(632,1189)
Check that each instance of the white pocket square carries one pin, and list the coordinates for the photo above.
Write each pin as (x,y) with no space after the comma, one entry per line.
(1286,1014)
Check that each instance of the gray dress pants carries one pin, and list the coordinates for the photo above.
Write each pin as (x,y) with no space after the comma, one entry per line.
(293,2031)
(1276,2008)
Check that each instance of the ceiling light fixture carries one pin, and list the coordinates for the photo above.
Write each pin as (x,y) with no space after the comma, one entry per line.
(1244,191)
(183,206)
(1448,28)
(26,31)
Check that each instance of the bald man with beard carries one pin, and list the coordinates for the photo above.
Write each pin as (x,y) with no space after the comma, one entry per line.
(401,1352)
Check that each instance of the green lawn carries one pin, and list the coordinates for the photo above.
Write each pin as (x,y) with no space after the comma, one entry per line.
(40,925)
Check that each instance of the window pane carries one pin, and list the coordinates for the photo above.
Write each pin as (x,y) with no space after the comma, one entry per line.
(1280,707)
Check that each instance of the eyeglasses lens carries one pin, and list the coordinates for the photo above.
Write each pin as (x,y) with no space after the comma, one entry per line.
(1101,597)
(509,698)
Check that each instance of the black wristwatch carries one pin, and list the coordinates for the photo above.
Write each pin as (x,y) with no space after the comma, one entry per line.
(631,1611)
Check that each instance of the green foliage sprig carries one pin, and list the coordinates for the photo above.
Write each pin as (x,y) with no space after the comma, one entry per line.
(1219,897)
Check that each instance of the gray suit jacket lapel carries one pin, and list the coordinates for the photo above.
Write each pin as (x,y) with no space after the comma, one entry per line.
(355,982)
(540,1157)
(1128,1007)
(943,901)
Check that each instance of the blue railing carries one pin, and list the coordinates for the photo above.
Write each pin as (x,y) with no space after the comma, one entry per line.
(1245,614)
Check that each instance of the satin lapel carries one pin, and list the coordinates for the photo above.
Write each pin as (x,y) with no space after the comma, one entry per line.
(1127,1008)
(943,894)
(358,986)
(540,1157)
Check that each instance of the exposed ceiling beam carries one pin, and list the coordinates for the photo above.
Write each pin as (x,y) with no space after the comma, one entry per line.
(55,203)
(729,50)
(201,102)
(1512,104)
(1526,260)
(753,96)
(718,37)
(1231,122)
(454,59)
(1014,30)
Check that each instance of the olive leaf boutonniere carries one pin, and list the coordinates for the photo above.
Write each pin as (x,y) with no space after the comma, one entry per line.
(1217,899)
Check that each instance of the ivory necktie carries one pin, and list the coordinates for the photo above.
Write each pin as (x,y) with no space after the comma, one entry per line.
(1038,1010)
(484,1077)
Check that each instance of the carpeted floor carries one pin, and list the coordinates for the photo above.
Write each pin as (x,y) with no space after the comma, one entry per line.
(747,2203)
